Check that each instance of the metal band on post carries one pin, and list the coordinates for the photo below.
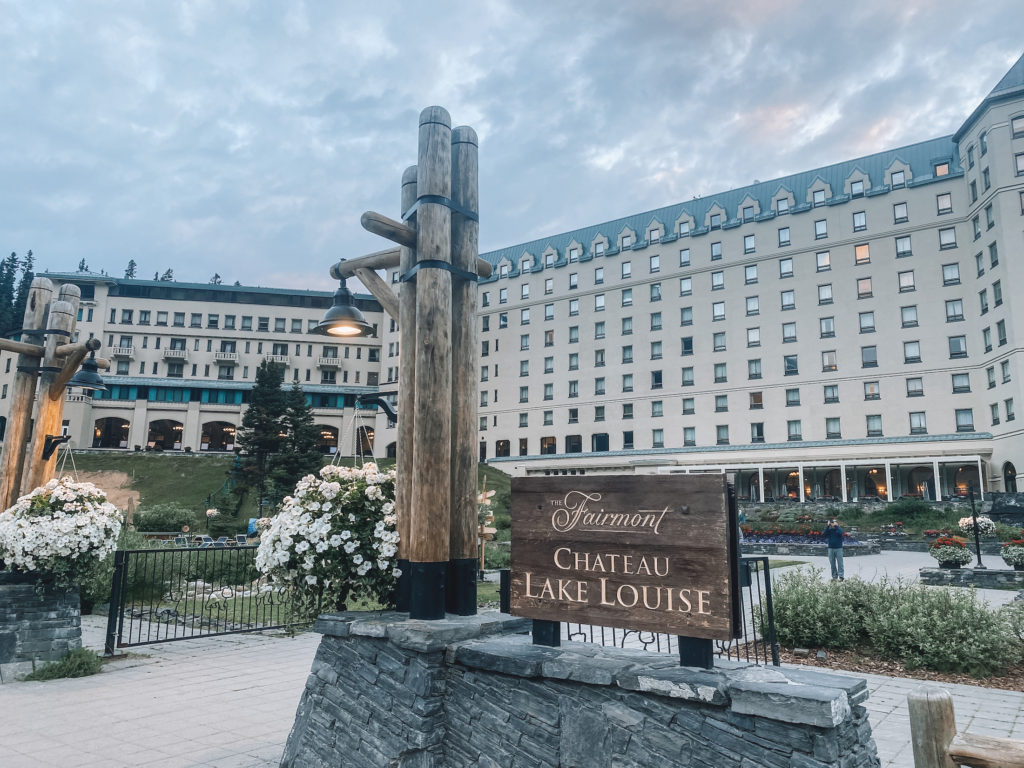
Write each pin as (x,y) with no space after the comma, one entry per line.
(437,264)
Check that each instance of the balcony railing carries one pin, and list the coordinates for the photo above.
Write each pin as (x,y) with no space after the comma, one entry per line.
(175,354)
(328,362)
(123,352)
(230,358)
(283,359)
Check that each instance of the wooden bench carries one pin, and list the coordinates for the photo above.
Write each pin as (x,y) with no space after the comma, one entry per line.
(937,744)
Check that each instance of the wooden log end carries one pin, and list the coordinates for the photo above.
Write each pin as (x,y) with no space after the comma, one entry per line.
(979,751)
(465,135)
(409,175)
(436,115)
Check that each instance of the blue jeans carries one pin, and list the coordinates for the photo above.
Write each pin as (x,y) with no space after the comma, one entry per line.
(835,561)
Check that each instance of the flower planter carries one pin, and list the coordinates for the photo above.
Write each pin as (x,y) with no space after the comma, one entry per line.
(37,621)
(951,564)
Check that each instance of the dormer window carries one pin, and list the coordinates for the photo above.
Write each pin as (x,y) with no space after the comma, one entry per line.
(684,228)
(574,254)
(942,169)
(504,270)
(549,260)
(898,180)
(857,189)
(627,241)
(818,197)
(716,221)
(748,212)
(782,206)
(598,248)
(654,235)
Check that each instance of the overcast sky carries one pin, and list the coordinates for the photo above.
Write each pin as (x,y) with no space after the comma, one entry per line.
(246,138)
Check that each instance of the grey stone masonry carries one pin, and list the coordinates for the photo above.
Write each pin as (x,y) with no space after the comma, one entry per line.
(36,627)
(991,578)
(806,550)
(474,691)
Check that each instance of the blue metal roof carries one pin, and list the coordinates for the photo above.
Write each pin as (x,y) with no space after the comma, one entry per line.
(920,157)
(1010,86)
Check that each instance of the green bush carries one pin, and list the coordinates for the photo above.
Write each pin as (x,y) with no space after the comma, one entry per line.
(496,556)
(226,525)
(164,517)
(908,509)
(810,612)
(80,662)
(95,585)
(1013,614)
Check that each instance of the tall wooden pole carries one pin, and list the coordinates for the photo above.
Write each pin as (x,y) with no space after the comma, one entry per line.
(50,410)
(12,462)
(407,393)
(430,523)
(462,573)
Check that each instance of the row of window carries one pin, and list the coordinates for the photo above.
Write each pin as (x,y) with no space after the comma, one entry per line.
(175,369)
(230,346)
(177,320)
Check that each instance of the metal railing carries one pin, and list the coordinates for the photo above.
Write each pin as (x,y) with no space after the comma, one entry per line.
(182,593)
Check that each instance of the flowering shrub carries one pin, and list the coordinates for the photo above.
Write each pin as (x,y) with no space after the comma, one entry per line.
(985,525)
(334,539)
(1013,552)
(947,549)
(59,530)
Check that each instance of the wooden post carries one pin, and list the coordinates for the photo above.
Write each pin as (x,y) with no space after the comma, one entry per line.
(407,393)
(430,522)
(465,235)
(50,409)
(12,462)
(932,726)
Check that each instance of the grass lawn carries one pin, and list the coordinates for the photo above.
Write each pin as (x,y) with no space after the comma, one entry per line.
(159,478)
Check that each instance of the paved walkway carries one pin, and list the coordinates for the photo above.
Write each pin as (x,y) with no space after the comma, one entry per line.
(229,701)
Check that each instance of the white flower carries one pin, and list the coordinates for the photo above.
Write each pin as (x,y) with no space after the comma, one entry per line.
(357,559)
(350,547)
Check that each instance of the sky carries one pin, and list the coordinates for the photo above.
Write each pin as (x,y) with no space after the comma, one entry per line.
(246,137)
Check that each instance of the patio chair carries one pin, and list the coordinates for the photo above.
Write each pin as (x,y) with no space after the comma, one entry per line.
(221,542)
(205,542)
(241,539)
(180,541)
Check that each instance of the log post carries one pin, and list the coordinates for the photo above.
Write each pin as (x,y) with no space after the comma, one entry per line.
(430,523)
(932,726)
(407,393)
(12,462)
(50,410)
(462,573)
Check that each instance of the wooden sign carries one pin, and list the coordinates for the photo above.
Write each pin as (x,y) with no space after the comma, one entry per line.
(645,552)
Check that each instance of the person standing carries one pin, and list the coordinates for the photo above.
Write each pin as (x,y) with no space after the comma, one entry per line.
(834,539)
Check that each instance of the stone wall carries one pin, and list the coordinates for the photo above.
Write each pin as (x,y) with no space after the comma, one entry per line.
(805,550)
(910,545)
(34,628)
(387,691)
(968,577)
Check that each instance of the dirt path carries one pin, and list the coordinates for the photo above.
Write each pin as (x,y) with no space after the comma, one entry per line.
(118,486)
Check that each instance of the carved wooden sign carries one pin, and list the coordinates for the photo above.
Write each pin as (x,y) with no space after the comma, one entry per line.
(645,552)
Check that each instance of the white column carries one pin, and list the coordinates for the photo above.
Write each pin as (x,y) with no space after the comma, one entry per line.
(842,480)
(760,483)
(800,479)
(888,480)
(937,482)
(981,480)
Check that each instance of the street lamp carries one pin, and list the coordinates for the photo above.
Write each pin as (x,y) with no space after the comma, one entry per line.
(977,537)
(343,318)
(88,376)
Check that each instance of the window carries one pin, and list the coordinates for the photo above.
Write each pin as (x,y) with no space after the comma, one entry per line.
(827,327)
(715,222)
(753,337)
(657,438)
(964,419)
(627,410)
(626,270)
(973,187)
(689,436)
(864,288)
(997,293)
(598,413)
(783,236)
(716,251)
(897,180)
(942,169)
(722,434)
(524,394)
(599,329)
(627,382)
(686,316)
(899,213)
(820,229)
(911,352)
(748,243)
(957,347)
(825,293)
(903,247)
(599,386)
(954,310)
(655,321)
(524,368)
(688,409)
(915,387)
(717,281)
(857,189)
(161,319)
(829,361)
(720,373)
(793,430)
(599,248)
(574,255)
(684,257)
(658,408)
(574,307)
(874,425)
(599,358)
(524,341)
(792,397)
(549,365)
(976,226)
(950,274)
(1001,332)
(994,410)
(718,310)
(718,341)
(986,178)
(782,206)
(1008,405)
(598,275)
(818,197)
(549,285)
(656,348)
(790,366)
(599,301)
(788,299)
(867,322)
(906,281)
(947,238)
(688,377)
(627,326)
(1019,163)
(993,255)
(627,299)
(524,316)
(788,332)
(961,383)
(748,212)
(752,305)
(986,336)
(831,393)
(786,267)
(908,316)
(655,291)
(918,425)
(549,390)
(627,441)
(872,390)
(503,295)
(824,261)
(1017,126)
(685,286)
(990,220)
(654,263)
(757,432)
(1005,367)
(832,429)
(754,369)
(869,357)
(756,401)
(990,374)
(574,334)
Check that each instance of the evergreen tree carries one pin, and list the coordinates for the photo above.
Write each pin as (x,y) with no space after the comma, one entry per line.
(131,270)
(156,276)
(259,437)
(24,287)
(298,455)
(82,266)
(8,275)
(216,279)
(167,276)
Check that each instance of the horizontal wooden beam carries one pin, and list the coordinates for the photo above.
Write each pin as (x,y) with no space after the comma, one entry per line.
(63,350)
(376,260)
(32,350)
(89,345)
(389,229)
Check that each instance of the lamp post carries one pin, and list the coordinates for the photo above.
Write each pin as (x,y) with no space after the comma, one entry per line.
(977,536)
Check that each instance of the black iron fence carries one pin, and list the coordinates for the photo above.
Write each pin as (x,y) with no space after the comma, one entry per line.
(757,643)
(161,595)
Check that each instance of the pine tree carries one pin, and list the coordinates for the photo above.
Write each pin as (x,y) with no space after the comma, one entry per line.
(216,279)
(8,273)
(24,287)
(82,266)
(259,437)
(131,270)
(167,276)
(298,455)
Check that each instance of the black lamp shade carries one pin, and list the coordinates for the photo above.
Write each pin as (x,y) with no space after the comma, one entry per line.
(88,377)
(343,318)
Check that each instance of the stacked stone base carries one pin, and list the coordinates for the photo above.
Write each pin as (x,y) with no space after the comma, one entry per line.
(805,550)
(990,578)
(475,692)
(34,627)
